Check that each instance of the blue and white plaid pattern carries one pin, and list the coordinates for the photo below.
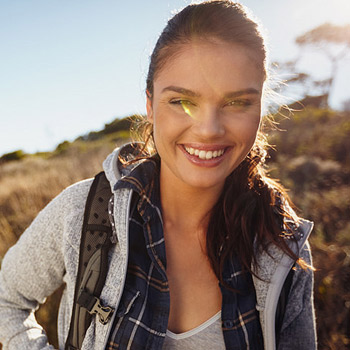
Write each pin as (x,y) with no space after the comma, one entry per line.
(142,315)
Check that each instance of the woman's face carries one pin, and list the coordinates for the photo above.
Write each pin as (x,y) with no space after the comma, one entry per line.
(205,111)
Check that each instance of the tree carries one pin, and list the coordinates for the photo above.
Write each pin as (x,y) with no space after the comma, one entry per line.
(312,92)
(332,40)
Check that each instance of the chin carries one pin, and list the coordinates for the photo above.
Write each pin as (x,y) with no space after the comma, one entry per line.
(201,182)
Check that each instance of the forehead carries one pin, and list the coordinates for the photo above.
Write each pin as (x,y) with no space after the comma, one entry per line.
(212,67)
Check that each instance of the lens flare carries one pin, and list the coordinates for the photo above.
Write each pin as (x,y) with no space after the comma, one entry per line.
(187,109)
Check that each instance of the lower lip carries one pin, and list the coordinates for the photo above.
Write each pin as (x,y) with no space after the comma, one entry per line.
(206,163)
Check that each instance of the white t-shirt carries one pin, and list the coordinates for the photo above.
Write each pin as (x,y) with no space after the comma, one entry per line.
(206,336)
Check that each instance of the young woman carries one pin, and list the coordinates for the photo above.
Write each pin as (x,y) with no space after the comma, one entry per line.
(209,253)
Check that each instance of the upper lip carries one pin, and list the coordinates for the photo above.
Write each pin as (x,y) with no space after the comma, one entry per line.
(205,147)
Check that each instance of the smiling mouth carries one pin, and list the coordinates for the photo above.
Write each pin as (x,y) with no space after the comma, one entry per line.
(202,154)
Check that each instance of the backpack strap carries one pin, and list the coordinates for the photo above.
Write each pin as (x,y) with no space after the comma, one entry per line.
(96,241)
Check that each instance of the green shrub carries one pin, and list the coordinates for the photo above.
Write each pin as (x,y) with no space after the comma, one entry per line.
(62,147)
(16,155)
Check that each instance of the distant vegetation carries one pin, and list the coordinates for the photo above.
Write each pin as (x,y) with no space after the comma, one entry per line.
(116,127)
(113,132)
(16,155)
(312,160)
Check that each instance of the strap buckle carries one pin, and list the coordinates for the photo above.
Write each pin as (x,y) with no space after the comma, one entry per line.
(93,305)
(104,312)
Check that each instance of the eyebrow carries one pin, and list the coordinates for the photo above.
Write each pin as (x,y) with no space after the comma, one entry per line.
(232,94)
(248,91)
(181,90)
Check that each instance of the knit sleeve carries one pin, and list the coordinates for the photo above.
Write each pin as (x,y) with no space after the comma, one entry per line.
(32,270)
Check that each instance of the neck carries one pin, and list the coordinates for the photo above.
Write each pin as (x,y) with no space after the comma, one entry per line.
(186,208)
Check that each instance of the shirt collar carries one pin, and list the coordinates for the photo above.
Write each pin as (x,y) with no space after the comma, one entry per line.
(144,180)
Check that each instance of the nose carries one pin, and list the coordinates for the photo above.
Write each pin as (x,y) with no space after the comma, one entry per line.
(208,124)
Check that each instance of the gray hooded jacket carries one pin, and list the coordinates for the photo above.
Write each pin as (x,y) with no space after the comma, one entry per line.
(47,255)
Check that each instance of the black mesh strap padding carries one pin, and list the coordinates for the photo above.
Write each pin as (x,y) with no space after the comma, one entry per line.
(93,261)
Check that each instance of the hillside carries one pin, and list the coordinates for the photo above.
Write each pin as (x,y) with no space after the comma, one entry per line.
(313,161)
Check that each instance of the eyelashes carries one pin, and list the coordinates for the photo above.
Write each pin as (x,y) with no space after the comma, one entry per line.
(239,103)
(181,102)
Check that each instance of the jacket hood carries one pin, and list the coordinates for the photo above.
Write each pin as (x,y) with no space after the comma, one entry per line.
(113,166)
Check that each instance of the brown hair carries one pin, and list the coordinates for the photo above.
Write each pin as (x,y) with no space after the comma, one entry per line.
(251,206)
(218,19)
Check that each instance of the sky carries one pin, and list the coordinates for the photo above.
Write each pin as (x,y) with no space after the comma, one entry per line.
(69,67)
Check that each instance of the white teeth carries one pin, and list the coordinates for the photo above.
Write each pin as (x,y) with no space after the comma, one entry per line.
(209,155)
(201,154)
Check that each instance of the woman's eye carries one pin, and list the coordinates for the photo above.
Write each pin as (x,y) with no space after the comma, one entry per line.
(240,103)
(181,102)
(185,105)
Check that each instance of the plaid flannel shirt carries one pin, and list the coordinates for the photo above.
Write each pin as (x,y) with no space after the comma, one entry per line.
(142,315)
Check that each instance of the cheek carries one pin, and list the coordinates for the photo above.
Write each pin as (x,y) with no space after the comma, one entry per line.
(168,125)
(245,130)
(163,131)
(254,127)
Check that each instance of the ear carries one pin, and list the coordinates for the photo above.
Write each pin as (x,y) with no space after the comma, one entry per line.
(149,107)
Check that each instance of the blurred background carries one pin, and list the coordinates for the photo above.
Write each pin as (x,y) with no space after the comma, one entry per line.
(71,71)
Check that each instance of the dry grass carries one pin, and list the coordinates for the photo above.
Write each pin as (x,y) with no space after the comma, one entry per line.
(27,186)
